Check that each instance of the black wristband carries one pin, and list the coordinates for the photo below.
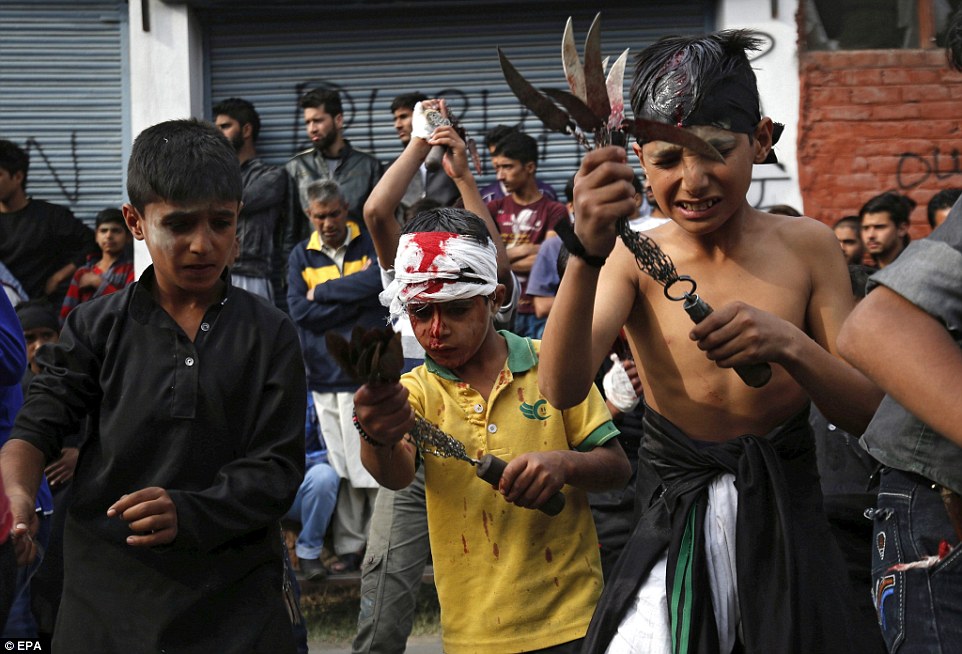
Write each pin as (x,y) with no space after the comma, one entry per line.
(575,247)
(360,430)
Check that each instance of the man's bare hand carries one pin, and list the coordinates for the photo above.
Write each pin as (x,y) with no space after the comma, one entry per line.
(150,514)
(532,478)
(61,471)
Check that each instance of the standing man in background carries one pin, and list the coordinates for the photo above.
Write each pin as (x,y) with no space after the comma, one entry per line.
(258,267)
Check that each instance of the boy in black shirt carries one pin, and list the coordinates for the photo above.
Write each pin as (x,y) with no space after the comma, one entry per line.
(195,444)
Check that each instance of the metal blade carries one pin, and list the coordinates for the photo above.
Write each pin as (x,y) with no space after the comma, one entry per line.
(578,110)
(650,130)
(546,110)
(604,65)
(616,91)
(595,91)
(574,73)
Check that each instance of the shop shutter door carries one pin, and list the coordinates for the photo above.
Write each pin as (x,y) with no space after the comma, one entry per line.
(62,98)
(372,55)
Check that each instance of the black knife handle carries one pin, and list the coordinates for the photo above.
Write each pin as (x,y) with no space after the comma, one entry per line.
(490,469)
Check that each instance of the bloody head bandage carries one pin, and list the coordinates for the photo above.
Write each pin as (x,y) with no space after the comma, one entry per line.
(440,267)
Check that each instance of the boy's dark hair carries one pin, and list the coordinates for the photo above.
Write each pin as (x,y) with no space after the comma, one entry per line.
(14,159)
(518,146)
(242,111)
(38,313)
(320,97)
(110,215)
(407,101)
(450,219)
(896,205)
(944,199)
(494,135)
(181,161)
(849,221)
(677,74)
(424,204)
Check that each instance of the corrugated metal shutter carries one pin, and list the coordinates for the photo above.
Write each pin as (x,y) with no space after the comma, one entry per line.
(62,98)
(272,57)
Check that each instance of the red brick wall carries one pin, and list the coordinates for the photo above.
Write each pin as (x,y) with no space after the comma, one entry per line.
(877,120)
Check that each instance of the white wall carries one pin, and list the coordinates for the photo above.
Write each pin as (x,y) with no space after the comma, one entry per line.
(776,68)
(166,74)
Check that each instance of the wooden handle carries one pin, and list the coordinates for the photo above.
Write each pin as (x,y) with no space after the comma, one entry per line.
(490,469)
(433,161)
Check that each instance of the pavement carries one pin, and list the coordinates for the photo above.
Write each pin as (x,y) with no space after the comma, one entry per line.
(416,645)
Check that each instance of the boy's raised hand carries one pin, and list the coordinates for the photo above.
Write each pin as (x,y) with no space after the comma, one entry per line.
(150,514)
(603,194)
(455,160)
(530,479)
(384,412)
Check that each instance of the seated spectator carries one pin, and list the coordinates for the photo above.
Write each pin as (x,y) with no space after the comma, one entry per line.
(40,243)
(940,205)
(109,273)
(315,499)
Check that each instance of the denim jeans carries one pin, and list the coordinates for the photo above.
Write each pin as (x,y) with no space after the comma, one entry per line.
(528,324)
(397,551)
(313,507)
(919,609)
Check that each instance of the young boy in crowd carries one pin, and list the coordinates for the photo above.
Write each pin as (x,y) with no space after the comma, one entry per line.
(108,274)
(525,216)
(770,579)
(533,580)
(195,441)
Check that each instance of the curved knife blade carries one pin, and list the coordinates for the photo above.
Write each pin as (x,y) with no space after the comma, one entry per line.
(615,85)
(650,130)
(547,111)
(595,91)
(579,111)
(574,73)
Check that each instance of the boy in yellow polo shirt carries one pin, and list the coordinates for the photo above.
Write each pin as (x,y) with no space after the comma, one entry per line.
(509,579)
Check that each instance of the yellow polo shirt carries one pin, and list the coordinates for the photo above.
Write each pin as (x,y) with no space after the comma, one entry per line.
(509,579)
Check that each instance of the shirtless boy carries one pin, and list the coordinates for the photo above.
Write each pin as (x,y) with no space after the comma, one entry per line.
(781,293)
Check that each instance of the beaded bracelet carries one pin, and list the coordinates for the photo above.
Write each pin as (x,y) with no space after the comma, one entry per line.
(364,434)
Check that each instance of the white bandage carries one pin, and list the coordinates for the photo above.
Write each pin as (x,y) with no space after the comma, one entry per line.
(424,121)
(618,387)
(440,267)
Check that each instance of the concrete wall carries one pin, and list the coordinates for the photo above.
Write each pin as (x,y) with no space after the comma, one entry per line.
(166,74)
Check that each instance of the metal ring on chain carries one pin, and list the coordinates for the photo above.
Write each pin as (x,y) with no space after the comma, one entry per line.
(683,296)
